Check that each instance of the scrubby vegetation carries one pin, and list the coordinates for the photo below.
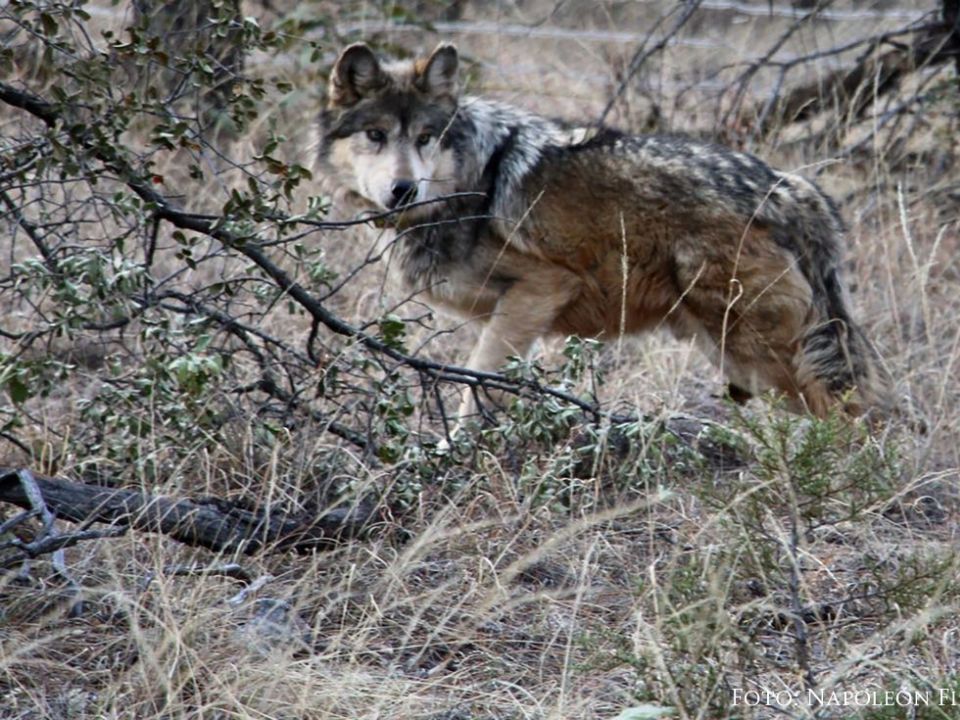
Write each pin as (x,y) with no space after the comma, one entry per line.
(224,491)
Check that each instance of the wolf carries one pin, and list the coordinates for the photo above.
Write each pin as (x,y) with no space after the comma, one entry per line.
(537,227)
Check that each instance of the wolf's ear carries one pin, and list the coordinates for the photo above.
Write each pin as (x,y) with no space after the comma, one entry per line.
(437,75)
(356,74)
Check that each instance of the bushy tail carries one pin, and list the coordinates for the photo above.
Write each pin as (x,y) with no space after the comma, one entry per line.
(837,355)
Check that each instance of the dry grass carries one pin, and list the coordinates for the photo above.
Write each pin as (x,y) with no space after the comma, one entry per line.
(528,578)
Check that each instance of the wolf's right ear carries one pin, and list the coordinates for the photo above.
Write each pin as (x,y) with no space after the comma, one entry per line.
(356,74)
(438,74)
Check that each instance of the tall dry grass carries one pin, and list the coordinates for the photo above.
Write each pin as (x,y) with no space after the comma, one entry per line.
(555,576)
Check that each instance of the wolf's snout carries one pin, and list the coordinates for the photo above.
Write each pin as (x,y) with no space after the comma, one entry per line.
(403,191)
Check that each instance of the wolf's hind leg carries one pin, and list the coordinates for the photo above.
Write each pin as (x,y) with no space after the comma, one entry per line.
(770,368)
(763,351)
(756,333)
(739,395)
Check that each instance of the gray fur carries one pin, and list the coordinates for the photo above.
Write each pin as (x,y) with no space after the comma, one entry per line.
(507,154)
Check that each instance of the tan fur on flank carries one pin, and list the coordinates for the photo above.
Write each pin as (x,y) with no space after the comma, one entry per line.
(715,244)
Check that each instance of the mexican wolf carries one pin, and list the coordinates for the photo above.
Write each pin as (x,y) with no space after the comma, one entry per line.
(591,232)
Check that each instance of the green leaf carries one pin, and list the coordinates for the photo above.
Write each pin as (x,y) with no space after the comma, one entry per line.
(393,331)
(18,390)
(50,26)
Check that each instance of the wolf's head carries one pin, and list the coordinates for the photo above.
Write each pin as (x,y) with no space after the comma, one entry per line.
(387,126)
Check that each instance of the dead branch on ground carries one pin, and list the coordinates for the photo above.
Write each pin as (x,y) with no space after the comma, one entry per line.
(216,525)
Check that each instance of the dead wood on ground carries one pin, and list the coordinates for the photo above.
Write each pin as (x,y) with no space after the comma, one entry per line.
(214,523)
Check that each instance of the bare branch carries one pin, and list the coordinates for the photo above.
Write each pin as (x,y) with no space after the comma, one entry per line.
(856,89)
(644,53)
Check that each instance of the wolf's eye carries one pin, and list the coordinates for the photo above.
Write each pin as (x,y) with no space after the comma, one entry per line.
(376,135)
(423,139)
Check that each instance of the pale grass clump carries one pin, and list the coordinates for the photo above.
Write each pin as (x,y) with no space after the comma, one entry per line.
(547,567)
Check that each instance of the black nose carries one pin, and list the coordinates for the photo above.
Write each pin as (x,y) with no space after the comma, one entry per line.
(403,191)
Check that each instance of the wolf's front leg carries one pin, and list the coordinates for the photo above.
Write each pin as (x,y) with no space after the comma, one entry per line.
(526,311)
(490,354)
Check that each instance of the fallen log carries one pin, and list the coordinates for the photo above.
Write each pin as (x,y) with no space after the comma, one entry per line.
(215,524)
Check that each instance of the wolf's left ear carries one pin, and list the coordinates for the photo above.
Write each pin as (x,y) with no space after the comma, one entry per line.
(438,75)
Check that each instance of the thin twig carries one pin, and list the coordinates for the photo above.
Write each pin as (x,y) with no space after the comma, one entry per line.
(643,54)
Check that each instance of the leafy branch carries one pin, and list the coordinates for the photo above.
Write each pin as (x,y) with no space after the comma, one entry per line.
(161,208)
